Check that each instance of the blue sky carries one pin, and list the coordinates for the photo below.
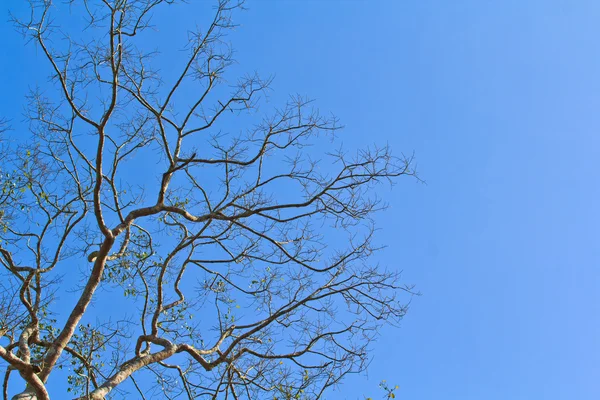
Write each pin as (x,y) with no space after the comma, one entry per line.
(498,100)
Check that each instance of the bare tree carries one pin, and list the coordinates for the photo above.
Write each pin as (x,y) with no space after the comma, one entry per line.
(161,239)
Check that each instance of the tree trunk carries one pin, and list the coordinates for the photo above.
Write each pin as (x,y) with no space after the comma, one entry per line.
(28,394)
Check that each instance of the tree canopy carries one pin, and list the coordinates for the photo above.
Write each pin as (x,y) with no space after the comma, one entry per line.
(161,236)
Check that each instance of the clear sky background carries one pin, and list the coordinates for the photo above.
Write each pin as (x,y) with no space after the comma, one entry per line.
(499,100)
